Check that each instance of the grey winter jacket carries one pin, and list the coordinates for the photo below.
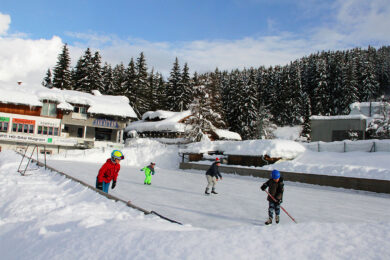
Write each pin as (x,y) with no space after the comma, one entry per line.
(276,189)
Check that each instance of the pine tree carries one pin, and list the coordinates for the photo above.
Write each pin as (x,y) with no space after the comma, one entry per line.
(186,88)
(107,87)
(383,69)
(306,128)
(349,82)
(83,73)
(215,89)
(119,76)
(142,86)
(195,79)
(295,104)
(174,94)
(161,92)
(96,73)
(369,84)
(249,108)
(47,82)
(236,84)
(336,62)
(322,97)
(152,94)
(277,96)
(61,73)
(198,121)
(130,90)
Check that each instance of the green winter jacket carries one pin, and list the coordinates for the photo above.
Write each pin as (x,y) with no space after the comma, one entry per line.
(148,170)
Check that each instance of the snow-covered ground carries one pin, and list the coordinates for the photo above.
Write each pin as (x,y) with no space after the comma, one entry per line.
(46,216)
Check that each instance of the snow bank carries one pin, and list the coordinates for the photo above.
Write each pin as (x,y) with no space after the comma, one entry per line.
(138,152)
(169,122)
(274,148)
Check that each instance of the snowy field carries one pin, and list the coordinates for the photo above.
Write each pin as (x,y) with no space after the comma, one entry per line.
(46,216)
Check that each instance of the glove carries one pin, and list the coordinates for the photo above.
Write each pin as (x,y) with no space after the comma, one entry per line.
(263,187)
(99,186)
(278,202)
(113,184)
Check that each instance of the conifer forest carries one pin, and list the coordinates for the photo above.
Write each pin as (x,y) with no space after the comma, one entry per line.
(247,101)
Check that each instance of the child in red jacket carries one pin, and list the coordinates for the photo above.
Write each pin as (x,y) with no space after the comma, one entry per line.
(109,171)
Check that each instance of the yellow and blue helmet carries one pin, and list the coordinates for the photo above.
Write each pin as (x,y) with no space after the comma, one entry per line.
(116,154)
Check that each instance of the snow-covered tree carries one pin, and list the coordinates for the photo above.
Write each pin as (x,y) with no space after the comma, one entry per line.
(119,75)
(47,81)
(61,73)
(142,85)
(380,127)
(96,72)
(130,89)
(249,108)
(186,88)
(107,87)
(174,93)
(82,78)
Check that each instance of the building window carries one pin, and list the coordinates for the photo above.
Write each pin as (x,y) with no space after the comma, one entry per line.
(80,110)
(103,134)
(49,109)
(48,152)
(3,126)
(45,130)
(22,128)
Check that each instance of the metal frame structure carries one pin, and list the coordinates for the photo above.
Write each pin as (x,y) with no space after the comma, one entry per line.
(35,149)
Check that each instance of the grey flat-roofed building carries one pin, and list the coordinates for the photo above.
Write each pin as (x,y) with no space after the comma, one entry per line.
(337,128)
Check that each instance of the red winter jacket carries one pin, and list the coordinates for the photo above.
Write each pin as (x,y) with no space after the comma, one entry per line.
(108,172)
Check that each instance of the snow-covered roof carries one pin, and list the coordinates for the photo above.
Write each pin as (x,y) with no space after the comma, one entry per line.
(170,123)
(158,114)
(96,102)
(360,116)
(226,134)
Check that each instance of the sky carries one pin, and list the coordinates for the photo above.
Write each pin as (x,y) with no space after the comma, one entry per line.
(205,34)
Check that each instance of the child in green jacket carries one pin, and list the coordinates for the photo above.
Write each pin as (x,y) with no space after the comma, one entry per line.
(149,171)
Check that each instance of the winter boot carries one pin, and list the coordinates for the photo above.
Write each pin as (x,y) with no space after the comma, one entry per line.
(269,221)
(207,191)
(277,219)
(213,191)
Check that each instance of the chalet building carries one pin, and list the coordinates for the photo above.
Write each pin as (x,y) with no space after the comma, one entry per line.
(171,125)
(338,128)
(61,119)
